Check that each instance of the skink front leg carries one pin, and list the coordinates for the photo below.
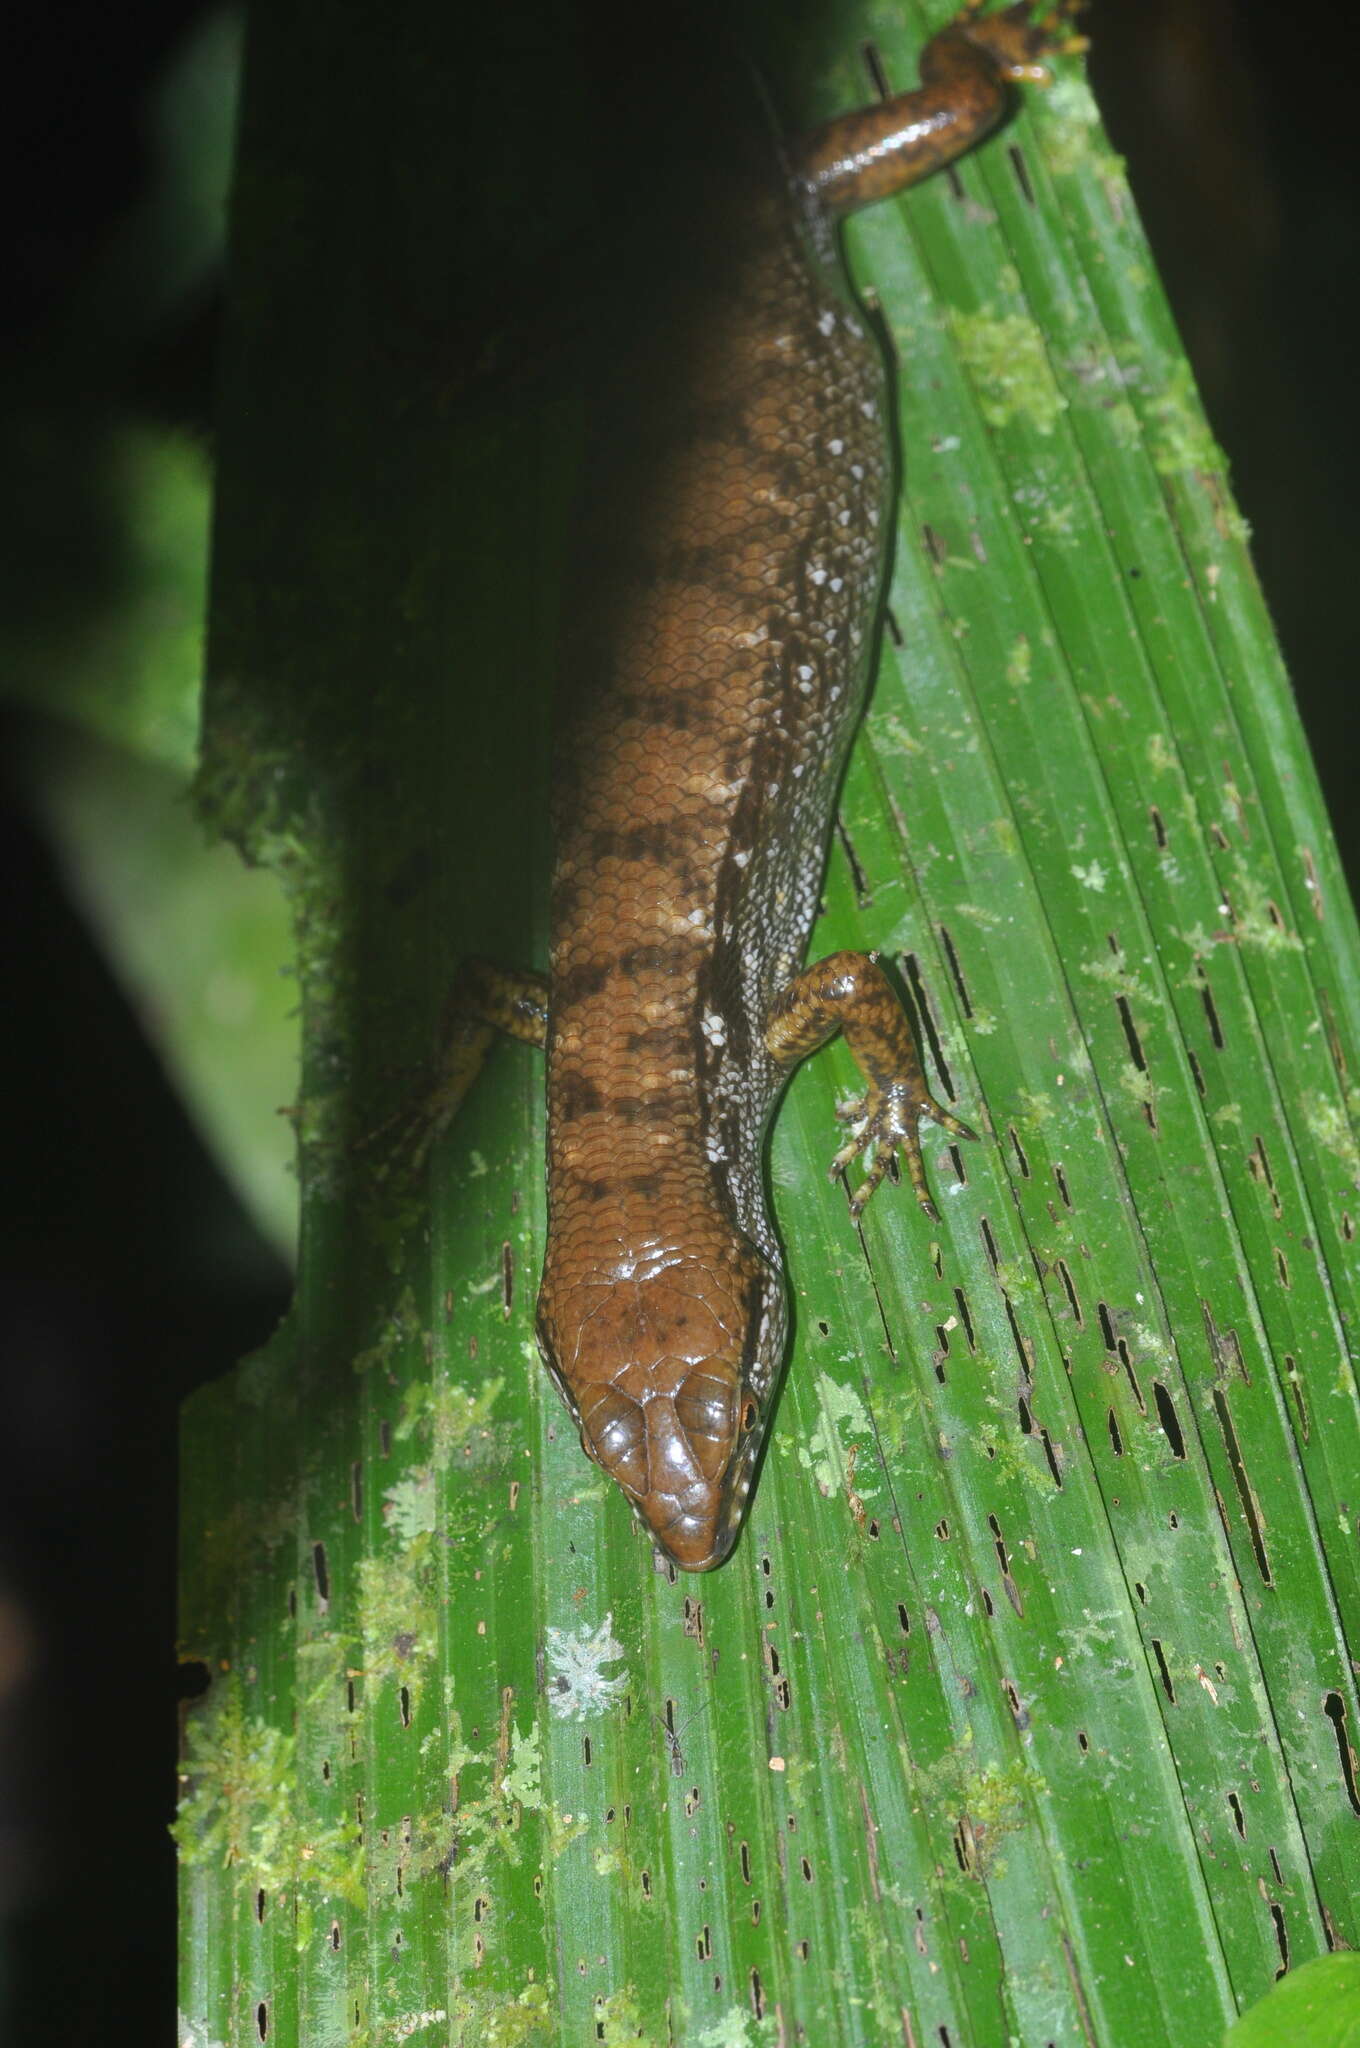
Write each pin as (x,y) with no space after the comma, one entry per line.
(849,993)
(485,1000)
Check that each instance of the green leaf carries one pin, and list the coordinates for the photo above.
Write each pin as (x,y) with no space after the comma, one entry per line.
(1315,2007)
(201,944)
(1023,1710)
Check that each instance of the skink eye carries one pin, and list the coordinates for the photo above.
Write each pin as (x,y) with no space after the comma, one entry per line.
(748,1415)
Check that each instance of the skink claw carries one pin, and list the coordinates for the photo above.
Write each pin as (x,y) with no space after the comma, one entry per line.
(885,1128)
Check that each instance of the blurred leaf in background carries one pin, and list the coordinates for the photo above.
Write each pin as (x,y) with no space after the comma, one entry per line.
(103,582)
(1317,2006)
(146,990)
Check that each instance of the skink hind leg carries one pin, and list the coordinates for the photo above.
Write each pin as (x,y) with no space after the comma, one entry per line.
(967,69)
(484,1000)
(849,993)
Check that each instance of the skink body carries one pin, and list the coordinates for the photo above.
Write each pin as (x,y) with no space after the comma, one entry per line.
(723,606)
(728,584)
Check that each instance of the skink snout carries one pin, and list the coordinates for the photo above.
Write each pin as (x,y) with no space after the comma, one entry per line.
(697,1539)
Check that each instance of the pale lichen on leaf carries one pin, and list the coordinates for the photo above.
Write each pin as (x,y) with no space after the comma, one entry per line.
(738,2029)
(448,1416)
(823,1454)
(397,1610)
(619,2021)
(523,1780)
(1327,1126)
(1070,124)
(489,2019)
(578,1685)
(412,2023)
(1092,877)
(240,1810)
(1008,363)
(402,1328)
(411,1507)
(988,1802)
(190,2034)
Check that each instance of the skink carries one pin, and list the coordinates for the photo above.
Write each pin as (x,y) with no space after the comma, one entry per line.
(730,570)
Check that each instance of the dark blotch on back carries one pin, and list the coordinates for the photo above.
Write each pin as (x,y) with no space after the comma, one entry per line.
(577,1094)
(641,842)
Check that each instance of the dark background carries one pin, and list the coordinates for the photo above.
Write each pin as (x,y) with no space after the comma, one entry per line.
(127,1271)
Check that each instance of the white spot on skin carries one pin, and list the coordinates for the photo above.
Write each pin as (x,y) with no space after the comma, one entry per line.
(714,1029)
(826,323)
(836,447)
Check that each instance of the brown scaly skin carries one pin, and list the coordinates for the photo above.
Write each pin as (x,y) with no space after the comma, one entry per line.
(729,575)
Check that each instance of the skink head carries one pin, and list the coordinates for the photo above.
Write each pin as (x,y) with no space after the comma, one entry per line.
(667,1362)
